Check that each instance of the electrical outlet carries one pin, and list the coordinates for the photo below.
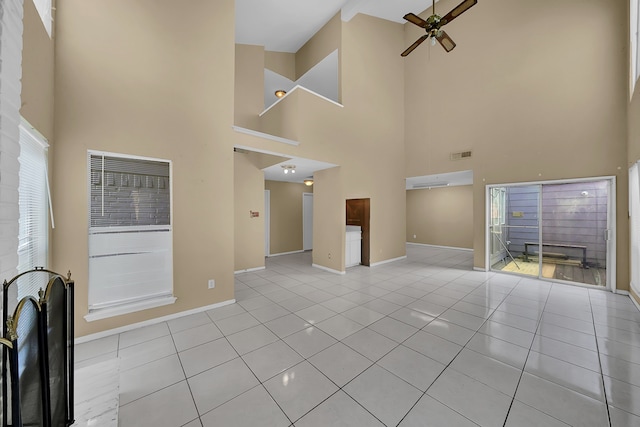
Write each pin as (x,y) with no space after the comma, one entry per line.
(414,236)
(212,283)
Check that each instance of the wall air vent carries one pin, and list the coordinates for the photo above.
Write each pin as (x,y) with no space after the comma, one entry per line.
(460,155)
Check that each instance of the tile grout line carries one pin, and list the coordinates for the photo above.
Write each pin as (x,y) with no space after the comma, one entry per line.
(366,285)
(260,383)
(186,379)
(341,388)
(454,358)
(528,353)
(604,388)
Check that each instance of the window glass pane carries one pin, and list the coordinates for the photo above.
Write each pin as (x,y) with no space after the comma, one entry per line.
(129,192)
(33,205)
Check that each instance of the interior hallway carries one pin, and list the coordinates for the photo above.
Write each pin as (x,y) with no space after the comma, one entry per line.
(424,341)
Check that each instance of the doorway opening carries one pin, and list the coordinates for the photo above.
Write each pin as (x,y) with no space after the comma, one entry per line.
(561,230)
(358,215)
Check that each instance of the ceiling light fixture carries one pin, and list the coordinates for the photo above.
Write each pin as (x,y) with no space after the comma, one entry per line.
(308,182)
(288,168)
(280,93)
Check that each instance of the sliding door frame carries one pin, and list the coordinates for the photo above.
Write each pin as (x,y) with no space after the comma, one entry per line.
(611,226)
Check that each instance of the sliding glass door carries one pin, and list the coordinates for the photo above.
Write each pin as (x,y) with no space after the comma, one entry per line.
(559,230)
(518,229)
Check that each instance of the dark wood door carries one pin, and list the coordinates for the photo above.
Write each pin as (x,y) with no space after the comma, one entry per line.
(358,214)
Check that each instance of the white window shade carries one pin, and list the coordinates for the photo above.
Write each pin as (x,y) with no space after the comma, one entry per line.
(33,236)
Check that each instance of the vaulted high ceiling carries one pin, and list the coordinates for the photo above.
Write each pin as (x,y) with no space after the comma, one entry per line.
(286,25)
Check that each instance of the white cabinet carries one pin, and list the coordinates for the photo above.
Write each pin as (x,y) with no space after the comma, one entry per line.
(353,245)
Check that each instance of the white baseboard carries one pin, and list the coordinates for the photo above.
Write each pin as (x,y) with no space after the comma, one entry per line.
(249,270)
(440,247)
(149,322)
(621,292)
(387,261)
(480,269)
(285,253)
(633,300)
(330,270)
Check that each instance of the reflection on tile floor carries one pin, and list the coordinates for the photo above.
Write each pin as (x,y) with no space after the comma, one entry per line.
(426,341)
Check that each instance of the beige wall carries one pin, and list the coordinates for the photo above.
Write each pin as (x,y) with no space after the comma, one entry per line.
(283,63)
(319,46)
(286,215)
(248,196)
(532,105)
(329,216)
(441,216)
(249,81)
(37,73)
(151,78)
(364,137)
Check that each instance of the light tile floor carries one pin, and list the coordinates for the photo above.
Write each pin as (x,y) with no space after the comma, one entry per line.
(425,341)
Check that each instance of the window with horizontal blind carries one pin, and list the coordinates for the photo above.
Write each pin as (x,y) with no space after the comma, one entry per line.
(33,201)
(44,10)
(130,234)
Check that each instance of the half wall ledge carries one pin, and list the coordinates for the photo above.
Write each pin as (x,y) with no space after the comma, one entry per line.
(265,135)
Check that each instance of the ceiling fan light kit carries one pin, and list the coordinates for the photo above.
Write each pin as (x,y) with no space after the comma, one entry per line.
(288,169)
(433,24)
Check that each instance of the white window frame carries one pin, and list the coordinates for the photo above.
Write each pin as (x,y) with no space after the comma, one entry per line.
(610,233)
(34,201)
(117,251)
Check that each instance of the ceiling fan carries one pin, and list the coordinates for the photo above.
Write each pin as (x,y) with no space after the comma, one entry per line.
(433,26)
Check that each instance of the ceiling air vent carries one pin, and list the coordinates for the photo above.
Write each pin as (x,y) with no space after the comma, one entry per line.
(460,155)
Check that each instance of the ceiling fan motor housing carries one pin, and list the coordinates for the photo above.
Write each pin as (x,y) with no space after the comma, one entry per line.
(434,21)
(433,24)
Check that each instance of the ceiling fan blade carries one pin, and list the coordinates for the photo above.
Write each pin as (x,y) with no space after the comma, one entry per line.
(414,45)
(415,19)
(445,41)
(457,11)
